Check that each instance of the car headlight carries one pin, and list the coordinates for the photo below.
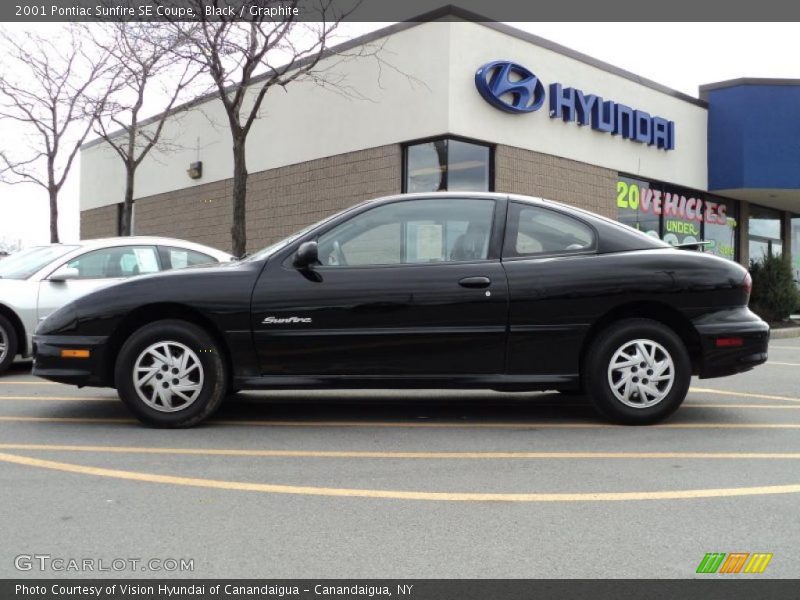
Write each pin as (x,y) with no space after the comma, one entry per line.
(64,320)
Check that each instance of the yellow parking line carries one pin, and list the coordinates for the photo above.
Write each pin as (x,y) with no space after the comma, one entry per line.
(397,494)
(414,424)
(533,405)
(724,406)
(21,419)
(404,455)
(742,394)
(58,398)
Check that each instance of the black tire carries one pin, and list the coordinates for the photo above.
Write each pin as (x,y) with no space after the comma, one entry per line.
(206,352)
(597,367)
(9,334)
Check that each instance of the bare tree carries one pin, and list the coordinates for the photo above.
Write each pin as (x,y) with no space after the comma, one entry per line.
(43,88)
(143,58)
(247,57)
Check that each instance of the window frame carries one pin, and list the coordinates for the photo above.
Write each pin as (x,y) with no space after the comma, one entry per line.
(512,229)
(428,140)
(493,252)
(164,257)
(108,248)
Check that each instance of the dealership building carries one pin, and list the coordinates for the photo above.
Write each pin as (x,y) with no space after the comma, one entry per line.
(460,105)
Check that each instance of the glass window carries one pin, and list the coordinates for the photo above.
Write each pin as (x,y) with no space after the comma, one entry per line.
(447,164)
(411,232)
(25,263)
(635,206)
(721,227)
(679,215)
(117,262)
(535,230)
(467,167)
(764,232)
(177,258)
(764,222)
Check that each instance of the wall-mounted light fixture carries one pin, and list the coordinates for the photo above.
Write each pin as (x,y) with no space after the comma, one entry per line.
(195,170)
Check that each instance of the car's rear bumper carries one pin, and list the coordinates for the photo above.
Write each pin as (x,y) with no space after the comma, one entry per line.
(49,362)
(731,341)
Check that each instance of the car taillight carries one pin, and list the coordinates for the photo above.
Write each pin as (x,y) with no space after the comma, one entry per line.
(747,283)
(729,342)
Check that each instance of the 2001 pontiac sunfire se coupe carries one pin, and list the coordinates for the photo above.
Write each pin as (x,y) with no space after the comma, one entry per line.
(426,291)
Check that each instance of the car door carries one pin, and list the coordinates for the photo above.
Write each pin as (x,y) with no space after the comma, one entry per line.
(553,278)
(91,271)
(412,287)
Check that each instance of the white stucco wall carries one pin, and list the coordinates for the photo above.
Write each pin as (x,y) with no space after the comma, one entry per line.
(307,122)
(470,115)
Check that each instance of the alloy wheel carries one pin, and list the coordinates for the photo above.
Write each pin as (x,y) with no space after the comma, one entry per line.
(3,344)
(641,373)
(168,376)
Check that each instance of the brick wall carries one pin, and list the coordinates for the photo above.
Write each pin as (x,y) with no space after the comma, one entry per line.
(283,200)
(279,201)
(521,171)
(201,214)
(99,222)
(290,198)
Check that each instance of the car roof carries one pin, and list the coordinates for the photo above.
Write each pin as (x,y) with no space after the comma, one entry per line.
(111,242)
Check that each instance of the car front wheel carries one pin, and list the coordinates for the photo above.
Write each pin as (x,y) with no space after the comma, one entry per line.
(171,374)
(637,372)
(8,344)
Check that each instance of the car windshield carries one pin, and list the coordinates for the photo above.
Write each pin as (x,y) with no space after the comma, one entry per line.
(25,263)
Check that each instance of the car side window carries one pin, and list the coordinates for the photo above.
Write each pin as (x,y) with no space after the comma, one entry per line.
(177,258)
(116,262)
(534,230)
(411,232)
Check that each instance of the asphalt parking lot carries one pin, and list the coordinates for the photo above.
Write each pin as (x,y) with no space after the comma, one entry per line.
(405,484)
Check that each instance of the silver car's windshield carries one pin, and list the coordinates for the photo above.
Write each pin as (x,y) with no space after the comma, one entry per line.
(25,263)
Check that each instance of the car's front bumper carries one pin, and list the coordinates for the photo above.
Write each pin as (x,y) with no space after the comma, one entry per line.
(49,362)
(721,352)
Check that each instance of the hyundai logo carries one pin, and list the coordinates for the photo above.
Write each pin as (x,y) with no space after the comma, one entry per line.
(509,87)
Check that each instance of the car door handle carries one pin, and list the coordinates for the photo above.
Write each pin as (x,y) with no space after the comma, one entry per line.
(475,282)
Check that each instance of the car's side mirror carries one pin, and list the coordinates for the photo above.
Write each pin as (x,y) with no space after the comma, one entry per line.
(307,255)
(65,273)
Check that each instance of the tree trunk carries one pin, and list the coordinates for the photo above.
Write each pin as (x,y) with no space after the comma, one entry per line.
(53,193)
(127,205)
(239,227)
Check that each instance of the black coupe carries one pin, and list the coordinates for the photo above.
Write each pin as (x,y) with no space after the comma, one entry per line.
(445,290)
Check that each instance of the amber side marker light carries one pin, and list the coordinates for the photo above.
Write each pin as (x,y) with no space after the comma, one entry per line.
(729,342)
(74,354)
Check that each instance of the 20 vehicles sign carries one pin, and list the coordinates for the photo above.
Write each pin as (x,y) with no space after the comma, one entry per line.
(678,216)
(511,87)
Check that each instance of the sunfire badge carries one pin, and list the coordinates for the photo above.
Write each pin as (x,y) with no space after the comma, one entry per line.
(285,320)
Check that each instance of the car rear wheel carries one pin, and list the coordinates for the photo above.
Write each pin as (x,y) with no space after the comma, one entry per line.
(171,374)
(8,344)
(637,372)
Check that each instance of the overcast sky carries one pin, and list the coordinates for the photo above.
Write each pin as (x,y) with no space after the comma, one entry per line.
(679,55)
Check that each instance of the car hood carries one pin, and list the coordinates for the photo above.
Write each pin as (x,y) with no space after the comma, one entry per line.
(13,290)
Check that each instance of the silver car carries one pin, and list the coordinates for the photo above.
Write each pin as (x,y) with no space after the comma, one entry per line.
(36,281)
